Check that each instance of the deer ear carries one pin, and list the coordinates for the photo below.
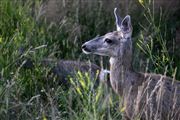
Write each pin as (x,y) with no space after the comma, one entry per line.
(126,24)
(118,20)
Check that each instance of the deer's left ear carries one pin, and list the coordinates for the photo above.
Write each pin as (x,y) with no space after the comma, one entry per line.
(126,26)
(118,20)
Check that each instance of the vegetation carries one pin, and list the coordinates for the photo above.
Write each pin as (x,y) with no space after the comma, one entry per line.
(27,33)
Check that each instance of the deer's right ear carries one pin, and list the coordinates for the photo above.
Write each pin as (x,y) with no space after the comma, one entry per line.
(118,20)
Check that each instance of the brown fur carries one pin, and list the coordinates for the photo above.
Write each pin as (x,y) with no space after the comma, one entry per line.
(148,96)
(65,69)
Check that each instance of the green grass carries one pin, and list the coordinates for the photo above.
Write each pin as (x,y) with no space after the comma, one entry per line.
(24,33)
(158,45)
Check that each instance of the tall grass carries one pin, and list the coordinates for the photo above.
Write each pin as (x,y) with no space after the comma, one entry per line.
(27,93)
(156,41)
(25,33)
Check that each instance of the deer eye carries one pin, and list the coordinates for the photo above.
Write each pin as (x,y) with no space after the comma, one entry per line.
(107,40)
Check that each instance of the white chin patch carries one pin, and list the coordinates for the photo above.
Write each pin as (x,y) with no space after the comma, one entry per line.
(101,54)
(86,52)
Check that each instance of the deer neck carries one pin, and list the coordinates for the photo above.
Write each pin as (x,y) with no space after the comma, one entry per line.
(119,71)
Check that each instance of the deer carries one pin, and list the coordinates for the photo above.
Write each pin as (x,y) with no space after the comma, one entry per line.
(62,70)
(145,96)
(66,69)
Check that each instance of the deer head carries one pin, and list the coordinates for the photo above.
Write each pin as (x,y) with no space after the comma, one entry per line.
(113,44)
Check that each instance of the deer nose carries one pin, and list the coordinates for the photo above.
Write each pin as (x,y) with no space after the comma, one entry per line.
(83,46)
